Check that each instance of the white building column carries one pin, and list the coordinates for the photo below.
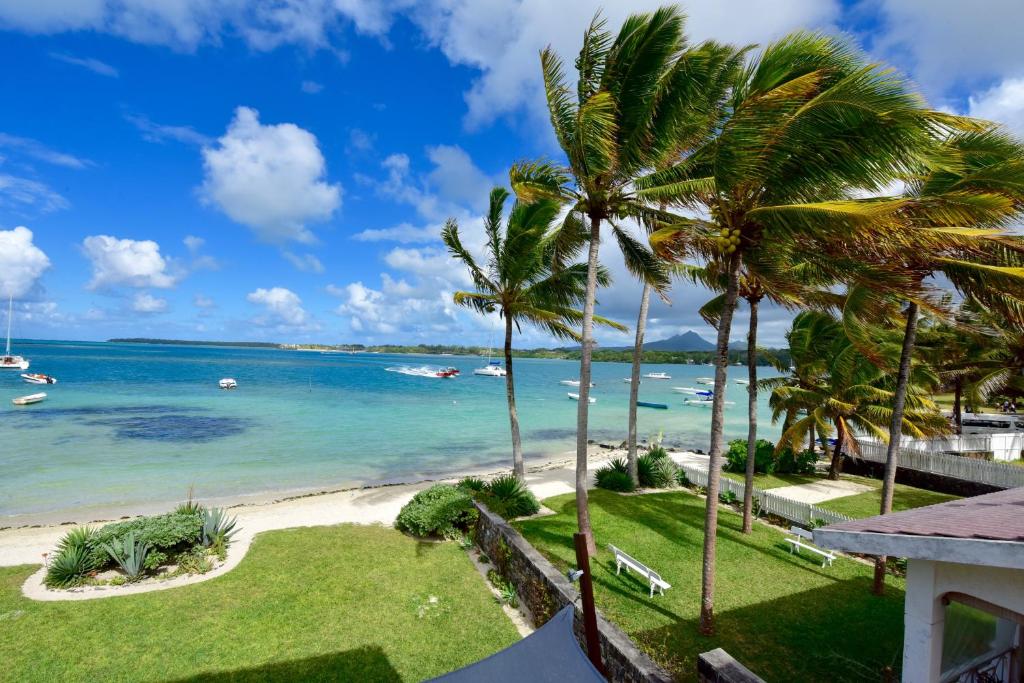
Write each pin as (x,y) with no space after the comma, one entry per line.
(923,621)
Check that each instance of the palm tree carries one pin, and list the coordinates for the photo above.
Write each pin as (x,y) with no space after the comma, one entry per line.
(849,392)
(637,93)
(634,383)
(527,279)
(809,122)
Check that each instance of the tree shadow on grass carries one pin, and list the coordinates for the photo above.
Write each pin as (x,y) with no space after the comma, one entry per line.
(837,632)
(361,664)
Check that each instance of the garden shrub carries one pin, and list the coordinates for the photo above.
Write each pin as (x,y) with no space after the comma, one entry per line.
(171,533)
(508,496)
(218,528)
(442,510)
(790,462)
(472,485)
(764,456)
(728,497)
(130,555)
(681,478)
(656,471)
(615,477)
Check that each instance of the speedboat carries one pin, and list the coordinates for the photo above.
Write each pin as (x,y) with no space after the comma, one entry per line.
(705,380)
(573,383)
(492,369)
(39,378)
(448,373)
(28,400)
(576,397)
(658,375)
(227,383)
(8,361)
(693,391)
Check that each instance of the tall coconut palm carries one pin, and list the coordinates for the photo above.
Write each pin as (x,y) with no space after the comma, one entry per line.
(952,214)
(528,278)
(809,122)
(849,392)
(635,96)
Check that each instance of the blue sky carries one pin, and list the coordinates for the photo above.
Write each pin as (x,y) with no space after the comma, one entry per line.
(280,170)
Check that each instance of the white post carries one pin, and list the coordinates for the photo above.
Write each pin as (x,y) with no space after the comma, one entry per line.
(923,622)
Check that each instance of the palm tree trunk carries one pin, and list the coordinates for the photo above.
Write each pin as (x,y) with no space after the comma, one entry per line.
(958,416)
(707,597)
(634,383)
(810,439)
(748,479)
(895,432)
(582,411)
(836,465)
(824,447)
(518,468)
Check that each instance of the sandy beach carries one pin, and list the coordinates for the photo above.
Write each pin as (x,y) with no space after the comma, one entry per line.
(371,505)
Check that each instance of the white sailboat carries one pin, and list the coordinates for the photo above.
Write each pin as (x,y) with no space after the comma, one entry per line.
(493,367)
(7,361)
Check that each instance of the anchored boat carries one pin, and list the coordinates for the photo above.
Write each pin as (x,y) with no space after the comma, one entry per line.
(646,404)
(227,383)
(28,400)
(576,397)
(658,375)
(38,378)
(492,369)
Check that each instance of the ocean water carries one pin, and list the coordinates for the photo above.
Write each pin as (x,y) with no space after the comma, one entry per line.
(132,427)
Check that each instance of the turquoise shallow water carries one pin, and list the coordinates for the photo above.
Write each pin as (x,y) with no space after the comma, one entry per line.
(129,426)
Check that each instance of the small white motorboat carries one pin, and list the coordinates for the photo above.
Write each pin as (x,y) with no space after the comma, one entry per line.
(227,383)
(705,380)
(629,380)
(573,383)
(576,397)
(658,375)
(744,382)
(708,402)
(39,378)
(28,400)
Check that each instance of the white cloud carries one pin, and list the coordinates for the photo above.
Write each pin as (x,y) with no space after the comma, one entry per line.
(1003,103)
(126,262)
(21,262)
(427,262)
(20,194)
(160,133)
(270,178)
(37,150)
(193,243)
(307,263)
(453,183)
(360,141)
(143,302)
(94,65)
(311,87)
(948,43)
(203,301)
(283,309)
(501,38)
(406,233)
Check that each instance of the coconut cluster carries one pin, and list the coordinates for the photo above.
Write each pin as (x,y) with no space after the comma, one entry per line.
(729,240)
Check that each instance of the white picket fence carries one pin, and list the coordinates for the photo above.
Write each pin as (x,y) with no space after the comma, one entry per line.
(770,503)
(998,474)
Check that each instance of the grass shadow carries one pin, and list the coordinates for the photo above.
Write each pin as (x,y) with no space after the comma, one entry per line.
(361,664)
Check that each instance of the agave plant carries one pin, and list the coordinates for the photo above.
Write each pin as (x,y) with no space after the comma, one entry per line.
(69,567)
(130,555)
(218,528)
(79,537)
(508,496)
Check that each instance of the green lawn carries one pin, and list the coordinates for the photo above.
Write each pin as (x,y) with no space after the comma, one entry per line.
(782,615)
(345,603)
(774,481)
(867,504)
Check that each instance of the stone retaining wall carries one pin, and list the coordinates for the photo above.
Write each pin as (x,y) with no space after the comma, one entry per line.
(543,591)
(717,666)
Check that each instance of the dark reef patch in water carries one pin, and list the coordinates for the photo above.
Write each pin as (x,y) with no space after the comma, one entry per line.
(148,423)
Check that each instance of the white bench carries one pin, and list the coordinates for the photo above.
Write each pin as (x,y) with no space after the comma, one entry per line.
(802,538)
(624,560)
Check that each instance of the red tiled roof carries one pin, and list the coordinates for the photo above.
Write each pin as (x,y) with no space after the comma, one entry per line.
(994,516)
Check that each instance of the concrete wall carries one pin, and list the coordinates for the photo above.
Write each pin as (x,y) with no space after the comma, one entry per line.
(543,591)
(924,613)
